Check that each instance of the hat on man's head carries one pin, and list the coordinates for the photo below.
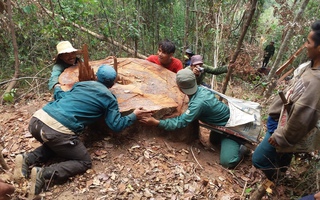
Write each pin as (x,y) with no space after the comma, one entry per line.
(106,75)
(196,59)
(65,47)
(186,81)
(189,51)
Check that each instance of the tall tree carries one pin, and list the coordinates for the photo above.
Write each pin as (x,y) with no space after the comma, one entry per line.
(239,44)
(271,77)
(254,24)
(186,27)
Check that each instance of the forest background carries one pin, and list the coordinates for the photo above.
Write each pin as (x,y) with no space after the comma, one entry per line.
(31,29)
(133,28)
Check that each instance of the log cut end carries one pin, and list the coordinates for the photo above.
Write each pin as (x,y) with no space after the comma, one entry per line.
(144,84)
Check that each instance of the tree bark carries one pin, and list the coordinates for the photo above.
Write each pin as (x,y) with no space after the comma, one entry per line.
(186,28)
(197,27)
(282,48)
(235,55)
(2,7)
(15,50)
(216,42)
(254,27)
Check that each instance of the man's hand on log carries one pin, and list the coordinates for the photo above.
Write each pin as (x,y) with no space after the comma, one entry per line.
(150,121)
(141,113)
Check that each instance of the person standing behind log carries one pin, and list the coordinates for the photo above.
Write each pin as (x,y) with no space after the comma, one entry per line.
(200,70)
(204,106)
(268,53)
(165,57)
(187,56)
(58,124)
(303,112)
(67,56)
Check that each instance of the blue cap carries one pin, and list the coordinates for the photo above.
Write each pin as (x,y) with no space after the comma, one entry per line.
(106,75)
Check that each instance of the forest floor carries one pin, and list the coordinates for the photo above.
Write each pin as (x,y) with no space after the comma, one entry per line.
(141,166)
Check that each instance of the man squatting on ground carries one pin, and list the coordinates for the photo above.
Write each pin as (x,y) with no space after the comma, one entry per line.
(204,106)
(57,124)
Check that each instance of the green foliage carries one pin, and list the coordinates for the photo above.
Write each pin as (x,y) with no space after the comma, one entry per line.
(30,9)
(248,190)
(145,22)
(264,117)
(9,96)
(141,22)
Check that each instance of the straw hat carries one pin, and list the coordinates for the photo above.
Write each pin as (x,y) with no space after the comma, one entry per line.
(65,47)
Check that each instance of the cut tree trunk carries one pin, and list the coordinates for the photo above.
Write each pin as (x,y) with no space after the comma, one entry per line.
(142,84)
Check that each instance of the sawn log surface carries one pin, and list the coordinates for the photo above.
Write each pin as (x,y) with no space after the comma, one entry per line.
(142,84)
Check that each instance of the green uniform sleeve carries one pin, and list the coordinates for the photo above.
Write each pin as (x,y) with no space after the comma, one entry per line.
(192,113)
(55,73)
(215,71)
(114,120)
(58,93)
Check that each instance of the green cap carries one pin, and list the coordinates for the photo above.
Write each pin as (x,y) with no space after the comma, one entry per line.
(186,81)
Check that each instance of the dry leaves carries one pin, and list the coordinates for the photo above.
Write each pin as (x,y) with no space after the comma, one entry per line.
(143,169)
(139,168)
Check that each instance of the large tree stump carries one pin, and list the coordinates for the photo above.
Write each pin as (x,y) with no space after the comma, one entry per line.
(142,84)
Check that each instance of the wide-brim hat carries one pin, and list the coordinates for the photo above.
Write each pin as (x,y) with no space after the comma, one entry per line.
(196,60)
(186,81)
(65,47)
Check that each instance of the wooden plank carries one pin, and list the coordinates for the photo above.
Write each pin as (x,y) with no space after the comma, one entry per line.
(230,133)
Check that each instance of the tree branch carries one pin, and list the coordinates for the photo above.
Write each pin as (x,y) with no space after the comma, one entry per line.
(20,78)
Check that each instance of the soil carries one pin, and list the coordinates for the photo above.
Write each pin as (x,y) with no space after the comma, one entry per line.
(137,166)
